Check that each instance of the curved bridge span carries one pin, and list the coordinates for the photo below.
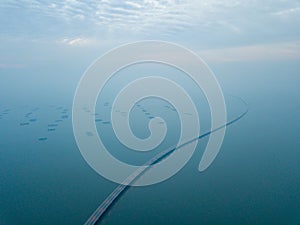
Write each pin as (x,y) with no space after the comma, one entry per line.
(104,206)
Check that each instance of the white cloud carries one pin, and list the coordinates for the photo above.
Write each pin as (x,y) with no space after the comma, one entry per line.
(76,41)
(134,4)
(267,52)
(287,11)
(207,22)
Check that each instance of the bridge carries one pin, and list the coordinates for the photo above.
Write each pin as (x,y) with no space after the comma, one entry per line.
(104,206)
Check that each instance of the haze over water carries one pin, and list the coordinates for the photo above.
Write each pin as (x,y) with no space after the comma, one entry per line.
(253,49)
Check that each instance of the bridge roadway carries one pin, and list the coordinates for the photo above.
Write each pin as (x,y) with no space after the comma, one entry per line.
(103,207)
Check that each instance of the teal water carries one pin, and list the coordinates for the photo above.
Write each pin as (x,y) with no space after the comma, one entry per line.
(254,180)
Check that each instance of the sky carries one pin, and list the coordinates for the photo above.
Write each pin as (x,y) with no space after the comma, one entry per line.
(233,30)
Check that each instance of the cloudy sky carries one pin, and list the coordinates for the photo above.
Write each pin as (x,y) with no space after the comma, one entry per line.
(216,29)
